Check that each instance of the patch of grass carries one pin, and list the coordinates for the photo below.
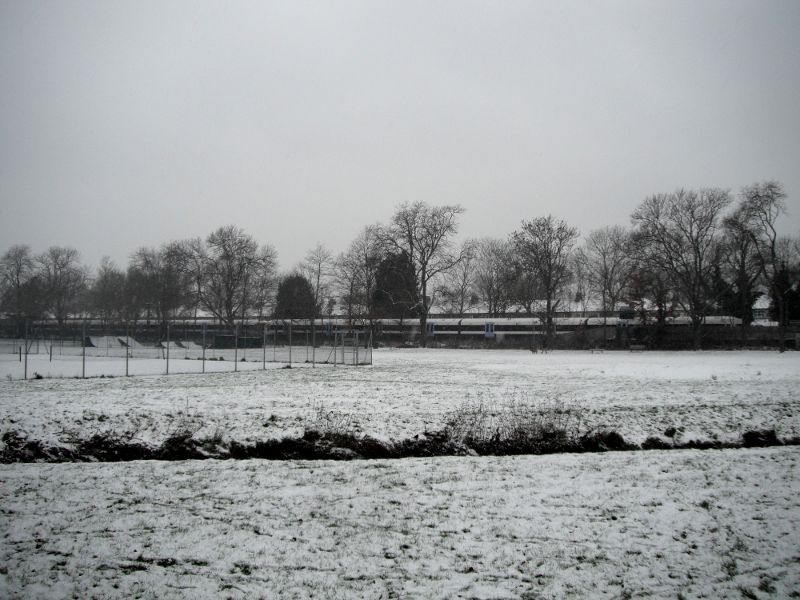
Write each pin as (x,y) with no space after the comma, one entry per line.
(242,567)
(128,568)
(730,568)
(517,426)
(329,422)
(18,448)
(747,593)
(766,586)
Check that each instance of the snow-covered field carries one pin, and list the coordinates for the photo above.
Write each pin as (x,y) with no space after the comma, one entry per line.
(647,524)
(98,362)
(718,524)
(704,395)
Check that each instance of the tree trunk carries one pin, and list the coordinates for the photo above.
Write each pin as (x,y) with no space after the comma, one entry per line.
(781,321)
(697,340)
(548,334)
(423,318)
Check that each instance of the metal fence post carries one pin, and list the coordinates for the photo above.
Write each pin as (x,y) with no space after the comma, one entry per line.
(26,350)
(167,347)
(127,346)
(235,347)
(83,353)
(204,347)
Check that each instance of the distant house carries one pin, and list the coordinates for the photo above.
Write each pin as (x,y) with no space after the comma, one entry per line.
(761,308)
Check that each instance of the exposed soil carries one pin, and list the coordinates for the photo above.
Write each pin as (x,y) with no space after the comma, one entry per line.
(313,445)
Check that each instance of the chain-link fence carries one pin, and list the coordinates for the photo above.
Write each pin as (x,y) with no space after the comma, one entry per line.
(95,352)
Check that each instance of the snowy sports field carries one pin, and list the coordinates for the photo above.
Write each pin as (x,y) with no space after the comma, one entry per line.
(717,523)
(76,362)
(704,395)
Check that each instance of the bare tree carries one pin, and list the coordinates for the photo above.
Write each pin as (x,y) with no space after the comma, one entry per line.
(63,280)
(164,286)
(21,292)
(231,260)
(761,205)
(494,277)
(525,290)
(649,286)
(346,271)
(458,285)
(264,280)
(355,271)
(317,267)
(739,270)
(107,292)
(367,247)
(16,271)
(678,234)
(581,291)
(193,263)
(543,248)
(606,257)
(425,235)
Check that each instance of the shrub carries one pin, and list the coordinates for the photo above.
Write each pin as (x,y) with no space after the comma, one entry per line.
(602,441)
(329,422)
(760,438)
(656,443)
(517,426)
(112,447)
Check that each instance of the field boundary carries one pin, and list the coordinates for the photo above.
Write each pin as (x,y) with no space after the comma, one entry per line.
(313,445)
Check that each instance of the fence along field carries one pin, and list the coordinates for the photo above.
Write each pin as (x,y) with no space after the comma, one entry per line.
(103,355)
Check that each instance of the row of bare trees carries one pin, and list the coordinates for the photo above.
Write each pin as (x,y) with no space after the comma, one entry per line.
(696,252)
(227,275)
(689,250)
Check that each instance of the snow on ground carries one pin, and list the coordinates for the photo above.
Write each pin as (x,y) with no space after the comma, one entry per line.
(98,362)
(72,367)
(618,525)
(703,394)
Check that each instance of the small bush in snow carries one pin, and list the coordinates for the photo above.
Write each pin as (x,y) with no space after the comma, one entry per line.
(328,422)
(515,426)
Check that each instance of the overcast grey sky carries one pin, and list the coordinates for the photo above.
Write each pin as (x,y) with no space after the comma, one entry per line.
(133,123)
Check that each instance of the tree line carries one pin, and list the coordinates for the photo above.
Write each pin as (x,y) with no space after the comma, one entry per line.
(698,251)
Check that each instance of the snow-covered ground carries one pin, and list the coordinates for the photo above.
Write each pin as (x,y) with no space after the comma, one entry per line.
(690,524)
(647,524)
(99,362)
(705,395)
